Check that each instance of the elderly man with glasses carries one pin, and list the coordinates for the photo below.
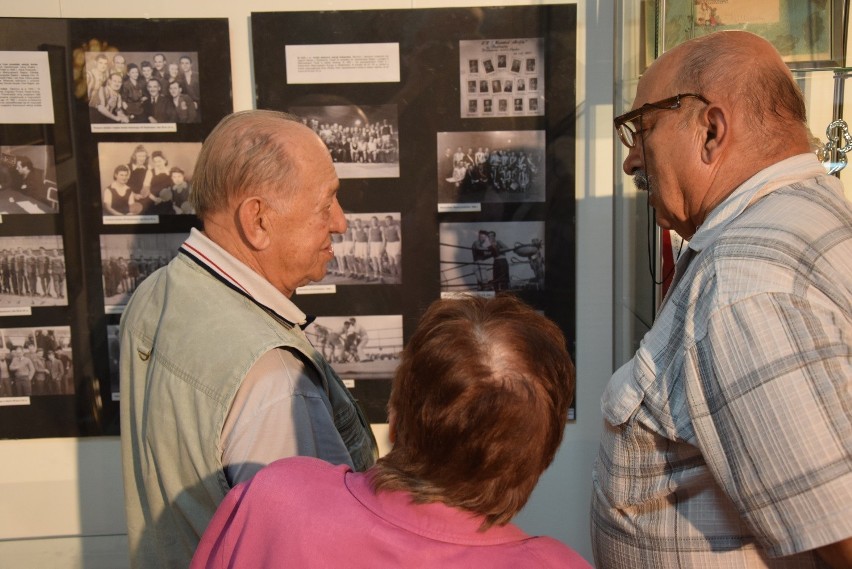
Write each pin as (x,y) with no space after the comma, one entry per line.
(727,439)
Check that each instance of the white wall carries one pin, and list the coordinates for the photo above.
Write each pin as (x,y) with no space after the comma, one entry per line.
(61,503)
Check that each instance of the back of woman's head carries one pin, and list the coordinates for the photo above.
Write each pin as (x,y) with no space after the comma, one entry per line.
(478,406)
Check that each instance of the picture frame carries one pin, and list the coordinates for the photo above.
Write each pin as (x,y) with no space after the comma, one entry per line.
(54,214)
(470,98)
(806,35)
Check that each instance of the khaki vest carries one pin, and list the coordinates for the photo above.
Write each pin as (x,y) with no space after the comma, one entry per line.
(187,342)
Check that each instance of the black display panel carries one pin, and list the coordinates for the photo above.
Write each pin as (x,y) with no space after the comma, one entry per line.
(68,130)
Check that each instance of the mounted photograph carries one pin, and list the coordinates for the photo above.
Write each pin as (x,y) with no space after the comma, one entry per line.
(526,56)
(139,91)
(127,259)
(491,166)
(491,256)
(32,273)
(359,347)
(363,141)
(368,252)
(36,362)
(28,180)
(150,179)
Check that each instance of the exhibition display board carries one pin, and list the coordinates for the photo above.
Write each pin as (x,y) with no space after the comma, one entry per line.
(452,132)
(101,121)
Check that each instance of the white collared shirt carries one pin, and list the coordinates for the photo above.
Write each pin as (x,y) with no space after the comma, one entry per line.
(280,408)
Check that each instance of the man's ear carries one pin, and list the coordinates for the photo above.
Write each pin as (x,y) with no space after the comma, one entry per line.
(252,217)
(716,134)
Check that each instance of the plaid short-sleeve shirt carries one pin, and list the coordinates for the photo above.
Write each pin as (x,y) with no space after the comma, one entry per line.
(728,437)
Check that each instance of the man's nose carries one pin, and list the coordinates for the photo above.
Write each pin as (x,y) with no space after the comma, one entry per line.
(338,220)
(633,161)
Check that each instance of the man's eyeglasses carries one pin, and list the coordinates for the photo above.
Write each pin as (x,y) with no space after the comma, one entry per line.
(627,132)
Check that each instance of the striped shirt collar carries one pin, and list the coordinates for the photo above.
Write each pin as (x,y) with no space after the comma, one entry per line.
(790,170)
(240,277)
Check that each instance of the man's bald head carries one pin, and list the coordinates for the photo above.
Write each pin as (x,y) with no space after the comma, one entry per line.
(250,150)
(748,72)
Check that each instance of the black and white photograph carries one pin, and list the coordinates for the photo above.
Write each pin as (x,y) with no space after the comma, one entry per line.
(32,272)
(142,88)
(492,256)
(359,347)
(127,259)
(363,140)
(36,362)
(146,179)
(491,166)
(368,252)
(526,56)
(28,180)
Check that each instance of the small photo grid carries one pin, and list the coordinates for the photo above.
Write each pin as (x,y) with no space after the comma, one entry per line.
(28,180)
(368,252)
(32,272)
(501,77)
(359,347)
(126,261)
(142,88)
(363,140)
(489,257)
(491,166)
(146,179)
(36,362)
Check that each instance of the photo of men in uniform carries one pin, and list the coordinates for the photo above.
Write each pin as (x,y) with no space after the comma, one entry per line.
(491,166)
(32,272)
(126,260)
(369,251)
(36,362)
(363,140)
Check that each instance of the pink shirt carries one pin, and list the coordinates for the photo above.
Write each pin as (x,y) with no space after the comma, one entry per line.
(303,512)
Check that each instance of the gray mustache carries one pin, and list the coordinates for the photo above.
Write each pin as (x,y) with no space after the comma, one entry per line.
(641,181)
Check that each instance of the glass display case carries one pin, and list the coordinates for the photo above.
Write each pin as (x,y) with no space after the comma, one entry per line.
(643,30)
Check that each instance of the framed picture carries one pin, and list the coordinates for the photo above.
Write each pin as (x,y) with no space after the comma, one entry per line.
(468,126)
(806,33)
(61,173)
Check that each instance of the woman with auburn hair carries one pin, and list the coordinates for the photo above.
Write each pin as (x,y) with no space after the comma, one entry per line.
(477,410)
